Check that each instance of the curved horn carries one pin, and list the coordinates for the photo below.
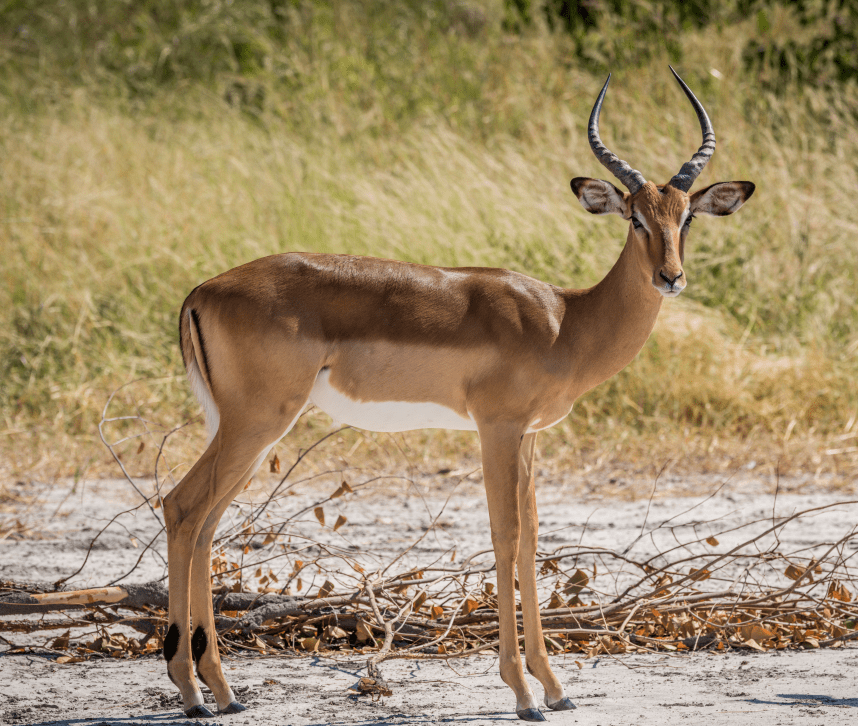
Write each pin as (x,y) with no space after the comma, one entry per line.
(691,169)
(631,178)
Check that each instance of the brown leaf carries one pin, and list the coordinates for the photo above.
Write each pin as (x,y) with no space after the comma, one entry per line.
(141,447)
(68,659)
(309,644)
(320,515)
(269,538)
(363,632)
(326,589)
(346,488)
(421,599)
(698,575)
(579,664)
(556,601)
(793,572)
(470,606)
(712,541)
(157,504)
(62,642)
(334,632)
(453,556)
(437,611)
(576,583)
(275,464)
(341,520)
(488,588)
(442,649)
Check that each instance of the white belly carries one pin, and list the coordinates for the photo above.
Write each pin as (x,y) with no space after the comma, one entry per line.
(384,415)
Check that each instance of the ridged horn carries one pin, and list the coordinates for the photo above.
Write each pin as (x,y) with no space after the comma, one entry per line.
(691,169)
(631,178)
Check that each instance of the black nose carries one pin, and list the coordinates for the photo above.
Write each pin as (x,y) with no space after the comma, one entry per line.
(667,279)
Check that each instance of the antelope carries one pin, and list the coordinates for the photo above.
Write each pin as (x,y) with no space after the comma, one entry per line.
(391,346)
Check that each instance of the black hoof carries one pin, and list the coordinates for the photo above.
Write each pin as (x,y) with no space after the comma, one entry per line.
(236,707)
(199,712)
(564,704)
(530,714)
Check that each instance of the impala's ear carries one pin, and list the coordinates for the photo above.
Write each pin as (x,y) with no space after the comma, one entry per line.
(721,199)
(600,197)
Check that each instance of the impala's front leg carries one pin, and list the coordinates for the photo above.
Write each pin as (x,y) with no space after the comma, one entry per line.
(500,449)
(534,643)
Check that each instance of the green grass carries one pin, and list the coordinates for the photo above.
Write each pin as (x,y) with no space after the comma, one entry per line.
(134,166)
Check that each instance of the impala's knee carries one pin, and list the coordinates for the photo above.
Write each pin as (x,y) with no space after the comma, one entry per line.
(177,519)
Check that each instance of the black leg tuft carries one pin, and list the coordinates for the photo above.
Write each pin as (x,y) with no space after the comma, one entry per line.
(199,643)
(171,642)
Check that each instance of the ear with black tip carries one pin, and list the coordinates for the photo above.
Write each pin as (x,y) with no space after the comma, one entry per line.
(721,199)
(600,197)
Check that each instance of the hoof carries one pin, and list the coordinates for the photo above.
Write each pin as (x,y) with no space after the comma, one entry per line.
(530,714)
(236,707)
(564,704)
(199,712)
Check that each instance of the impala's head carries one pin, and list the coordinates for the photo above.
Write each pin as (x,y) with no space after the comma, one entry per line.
(659,215)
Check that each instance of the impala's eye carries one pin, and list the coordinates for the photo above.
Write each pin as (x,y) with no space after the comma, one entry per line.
(636,223)
(688,221)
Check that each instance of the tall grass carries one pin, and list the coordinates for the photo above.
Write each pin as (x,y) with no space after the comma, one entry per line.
(408,131)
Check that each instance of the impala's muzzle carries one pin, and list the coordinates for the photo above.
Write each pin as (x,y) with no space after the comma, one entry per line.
(668,281)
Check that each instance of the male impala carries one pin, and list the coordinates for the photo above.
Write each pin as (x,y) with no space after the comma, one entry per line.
(392,346)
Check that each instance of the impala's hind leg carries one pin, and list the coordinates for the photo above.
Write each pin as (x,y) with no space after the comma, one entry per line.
(235,450)
(204,639)
(536,656)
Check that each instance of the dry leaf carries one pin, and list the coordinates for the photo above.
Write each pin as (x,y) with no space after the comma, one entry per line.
(442,649)
(134,543)
(62,642)
(488,588)
(712,541)
(141,447)
(363,632)
(470,606)
(453,556)
(275,464)
(698,575)
(579,664)
(269,538)
(320,515)
(556,601)
(793,572)
(326,589)
(576,583)
(346,487)
(437,611)
(157,504)
(309,644)
(341,520)
(334,632)
(421,599)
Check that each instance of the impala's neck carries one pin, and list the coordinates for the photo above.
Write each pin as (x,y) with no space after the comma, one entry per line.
(609,323)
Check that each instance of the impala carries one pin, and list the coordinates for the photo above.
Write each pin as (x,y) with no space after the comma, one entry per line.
(390,346)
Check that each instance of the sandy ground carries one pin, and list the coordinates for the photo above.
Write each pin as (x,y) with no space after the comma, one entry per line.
(59,521)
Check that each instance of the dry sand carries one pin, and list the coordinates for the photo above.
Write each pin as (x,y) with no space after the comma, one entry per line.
(736,688)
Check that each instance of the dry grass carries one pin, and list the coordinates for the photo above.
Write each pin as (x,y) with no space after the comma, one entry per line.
(115,207)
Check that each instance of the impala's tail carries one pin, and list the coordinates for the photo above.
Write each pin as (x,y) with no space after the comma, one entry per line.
(194,354)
